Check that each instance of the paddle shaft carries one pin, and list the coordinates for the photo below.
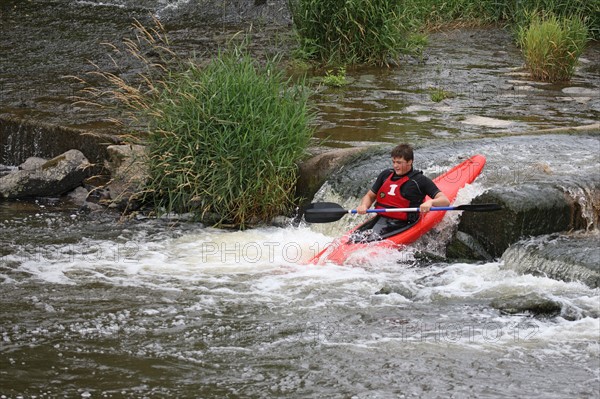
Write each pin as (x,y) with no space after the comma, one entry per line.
(326,212)
(384,210)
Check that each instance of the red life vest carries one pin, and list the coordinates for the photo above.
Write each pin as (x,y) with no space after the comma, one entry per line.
(389,196)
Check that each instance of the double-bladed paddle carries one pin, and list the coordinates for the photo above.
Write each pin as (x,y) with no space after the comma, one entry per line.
(326,212)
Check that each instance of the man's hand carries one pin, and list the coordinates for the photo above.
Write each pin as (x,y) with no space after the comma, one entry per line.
(361,210)
(426,206)
(366,202)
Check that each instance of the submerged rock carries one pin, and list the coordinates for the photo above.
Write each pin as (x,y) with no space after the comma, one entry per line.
(534,304)
(486,121)
(562,257)
(538,305)
(464,246)
(50,178)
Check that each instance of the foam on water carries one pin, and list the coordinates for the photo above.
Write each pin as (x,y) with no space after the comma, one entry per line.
(266,267)
(186,258)
(210,298)
(168,7)
(99,4)
(272,258)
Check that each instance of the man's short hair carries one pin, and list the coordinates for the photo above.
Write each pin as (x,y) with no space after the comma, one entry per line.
(403,151)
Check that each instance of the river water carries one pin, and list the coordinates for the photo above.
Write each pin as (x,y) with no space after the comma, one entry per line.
(94,306)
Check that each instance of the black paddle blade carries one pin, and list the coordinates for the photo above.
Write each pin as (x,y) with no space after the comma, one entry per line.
(323,212)
(479,207)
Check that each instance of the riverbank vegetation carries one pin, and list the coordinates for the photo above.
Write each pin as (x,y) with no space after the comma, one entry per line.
(378,31)
(350,32)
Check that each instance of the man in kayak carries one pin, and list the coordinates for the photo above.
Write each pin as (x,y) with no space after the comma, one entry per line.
(399,187)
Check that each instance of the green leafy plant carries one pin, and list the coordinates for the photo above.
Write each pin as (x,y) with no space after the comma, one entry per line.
(438,94)
(335,79)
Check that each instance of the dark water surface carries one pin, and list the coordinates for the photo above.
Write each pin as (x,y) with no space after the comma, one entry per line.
(48,42)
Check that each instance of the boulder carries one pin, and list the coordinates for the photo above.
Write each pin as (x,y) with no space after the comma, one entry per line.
(529,210)
(128,167)
(316,170)
(32,163)
(78,196)
(54,177)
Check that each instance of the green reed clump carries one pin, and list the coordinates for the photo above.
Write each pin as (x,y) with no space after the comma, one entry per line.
(346,32)
(552,45)
(224,140)
(437,94)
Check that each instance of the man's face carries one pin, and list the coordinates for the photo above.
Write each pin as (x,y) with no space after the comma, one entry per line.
(401,166)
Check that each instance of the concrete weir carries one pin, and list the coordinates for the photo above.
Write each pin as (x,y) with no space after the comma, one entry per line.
(21,139)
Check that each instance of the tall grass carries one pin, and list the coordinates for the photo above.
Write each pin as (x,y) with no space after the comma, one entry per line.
(552,45)
(223,139)
(350,31)
(435,14)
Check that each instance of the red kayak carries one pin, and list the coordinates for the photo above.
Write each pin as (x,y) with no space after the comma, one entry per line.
(449,183)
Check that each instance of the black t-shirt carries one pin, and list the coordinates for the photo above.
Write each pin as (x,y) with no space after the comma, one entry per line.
(414,190)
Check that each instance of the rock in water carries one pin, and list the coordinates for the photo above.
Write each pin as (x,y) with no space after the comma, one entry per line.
(533,303)
(531,210)
(561,257)
(54,177)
